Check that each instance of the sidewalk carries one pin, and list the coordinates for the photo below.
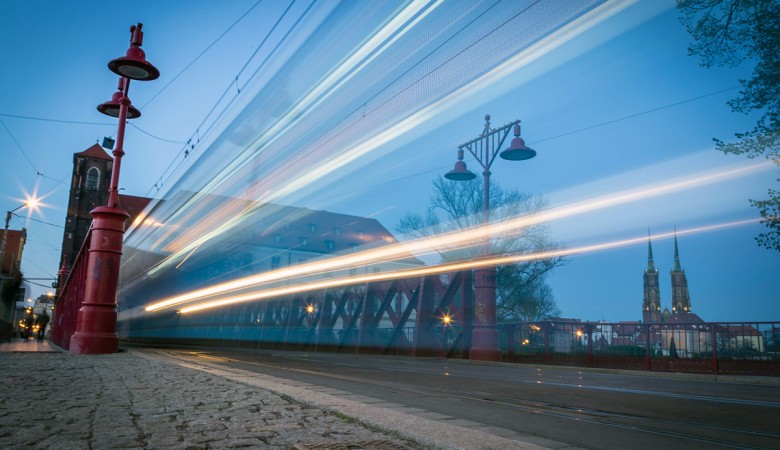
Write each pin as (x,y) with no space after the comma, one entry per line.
(157,399)
(50,399)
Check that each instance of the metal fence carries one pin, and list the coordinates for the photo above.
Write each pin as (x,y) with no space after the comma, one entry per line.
(732,348)
(69,298)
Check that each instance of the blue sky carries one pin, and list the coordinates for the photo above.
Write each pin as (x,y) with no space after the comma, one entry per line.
(618,107)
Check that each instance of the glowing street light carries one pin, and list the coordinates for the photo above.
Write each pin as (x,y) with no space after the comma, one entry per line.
(96,324)
(32,203)
(485,148)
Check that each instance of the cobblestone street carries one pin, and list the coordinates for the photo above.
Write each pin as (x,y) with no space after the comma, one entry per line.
(122,401)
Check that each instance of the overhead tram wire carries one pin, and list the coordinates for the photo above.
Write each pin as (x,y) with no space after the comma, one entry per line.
(155,137)
(189,146)
(82,122)
(631,116)
(43,119)
(19,146)
(175,77)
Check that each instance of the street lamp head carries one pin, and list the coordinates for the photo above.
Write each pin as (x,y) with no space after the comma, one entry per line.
(111,107)
(134,64)
(460,172)
(517,150)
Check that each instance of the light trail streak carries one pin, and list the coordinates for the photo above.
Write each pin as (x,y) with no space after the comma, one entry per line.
(469,237)
(376,45)
(449,267)
(404,126)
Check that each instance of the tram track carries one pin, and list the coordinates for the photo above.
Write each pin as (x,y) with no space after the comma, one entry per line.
(664,427)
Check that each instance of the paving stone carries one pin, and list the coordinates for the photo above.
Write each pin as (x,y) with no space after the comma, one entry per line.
(123,401)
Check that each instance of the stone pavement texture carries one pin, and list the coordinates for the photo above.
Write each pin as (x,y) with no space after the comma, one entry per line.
(157,399)
(51,399)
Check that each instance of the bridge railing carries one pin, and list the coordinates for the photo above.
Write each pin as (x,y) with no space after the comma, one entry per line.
(732,348)
(69,298)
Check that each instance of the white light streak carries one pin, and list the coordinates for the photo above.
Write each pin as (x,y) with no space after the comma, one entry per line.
(446,268)
(467,237)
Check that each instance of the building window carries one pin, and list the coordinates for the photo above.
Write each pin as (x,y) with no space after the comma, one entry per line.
(275,262)
(313,227)
(93,176)
(337,231)
(278,238)
(330,244)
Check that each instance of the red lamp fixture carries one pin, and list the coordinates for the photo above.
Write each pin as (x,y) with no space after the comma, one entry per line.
(134,64)
(111,107)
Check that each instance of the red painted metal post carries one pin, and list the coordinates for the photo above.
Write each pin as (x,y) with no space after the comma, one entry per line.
(510,342)
(590,345)
(648,365)
(484,336)
(714,349)
(423,336)
(547,342)
(96,322)
(485,148)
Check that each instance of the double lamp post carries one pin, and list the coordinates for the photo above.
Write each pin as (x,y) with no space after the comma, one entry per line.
(96,321)
(485,148)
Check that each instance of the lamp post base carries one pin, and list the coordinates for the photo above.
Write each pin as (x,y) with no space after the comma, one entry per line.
(97,333)
(484,344)
(96,322)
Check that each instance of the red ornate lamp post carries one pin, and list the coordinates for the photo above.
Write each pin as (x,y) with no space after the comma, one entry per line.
(96,322)
(484,335)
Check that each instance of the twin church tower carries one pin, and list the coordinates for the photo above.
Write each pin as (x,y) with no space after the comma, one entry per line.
(681,300)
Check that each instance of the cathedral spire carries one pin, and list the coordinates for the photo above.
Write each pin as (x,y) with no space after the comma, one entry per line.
(677,267)
(650,263)
(681,299)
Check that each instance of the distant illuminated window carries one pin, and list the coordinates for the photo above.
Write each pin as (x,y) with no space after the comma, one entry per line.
(313,227)
(337,231)
(93,175)
(330,245)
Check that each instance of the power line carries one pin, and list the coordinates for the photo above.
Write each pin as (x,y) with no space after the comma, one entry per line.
(42,119)
(201,54)
(36,220)
(631,116)
(19,146)
(189,145)
(79,122)
(153,136)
